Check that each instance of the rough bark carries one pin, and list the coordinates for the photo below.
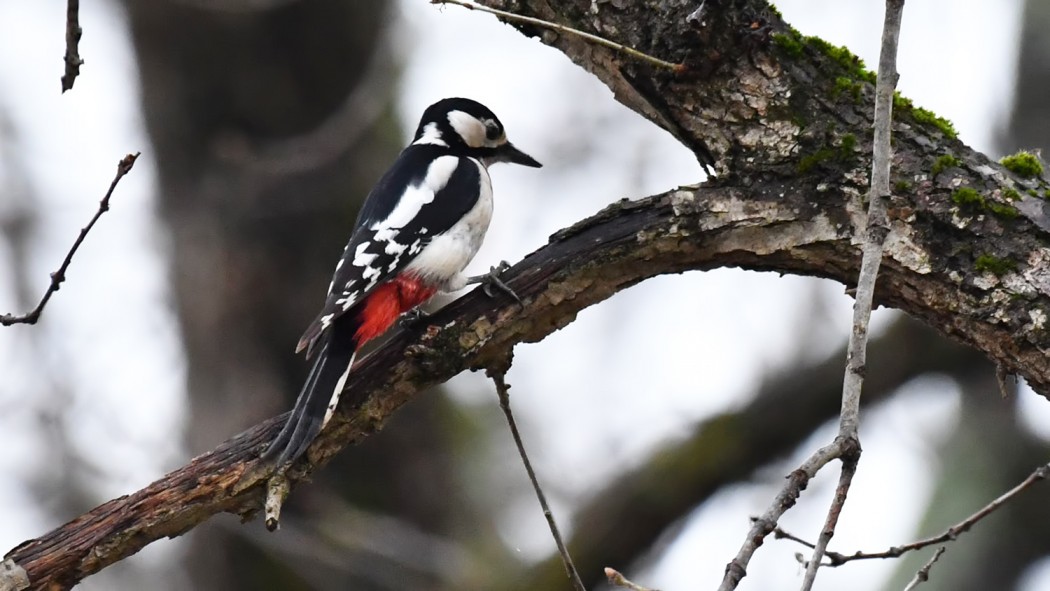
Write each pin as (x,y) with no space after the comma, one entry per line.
(765,104)
(792,164)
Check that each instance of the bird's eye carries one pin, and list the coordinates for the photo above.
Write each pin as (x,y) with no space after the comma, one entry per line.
(492,130)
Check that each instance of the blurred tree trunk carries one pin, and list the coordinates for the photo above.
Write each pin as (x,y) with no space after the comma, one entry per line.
(270,122)
(1029,125)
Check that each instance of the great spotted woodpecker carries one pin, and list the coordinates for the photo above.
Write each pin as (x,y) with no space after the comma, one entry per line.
(419,227)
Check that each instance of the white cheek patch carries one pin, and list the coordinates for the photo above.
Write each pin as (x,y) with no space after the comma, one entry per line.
(468,127)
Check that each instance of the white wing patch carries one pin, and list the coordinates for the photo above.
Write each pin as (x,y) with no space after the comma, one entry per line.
(416,196)
(388,229)
(362,258)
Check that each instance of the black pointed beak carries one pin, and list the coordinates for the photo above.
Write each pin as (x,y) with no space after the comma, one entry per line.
(508,153)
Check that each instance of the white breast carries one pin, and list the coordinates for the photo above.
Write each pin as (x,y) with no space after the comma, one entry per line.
(446,255)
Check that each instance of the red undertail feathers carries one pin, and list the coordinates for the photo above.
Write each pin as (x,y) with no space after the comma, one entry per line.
(384,305)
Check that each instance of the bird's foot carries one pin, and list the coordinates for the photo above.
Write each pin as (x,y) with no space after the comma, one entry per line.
(412,319)
(491,280)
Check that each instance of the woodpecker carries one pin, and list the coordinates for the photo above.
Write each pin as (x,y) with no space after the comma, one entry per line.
(419,227)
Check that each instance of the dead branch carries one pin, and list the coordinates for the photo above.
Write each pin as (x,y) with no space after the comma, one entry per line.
(123,168)
(73,34)
(949,535)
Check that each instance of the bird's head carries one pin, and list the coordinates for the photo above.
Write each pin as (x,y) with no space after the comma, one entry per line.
(469,128)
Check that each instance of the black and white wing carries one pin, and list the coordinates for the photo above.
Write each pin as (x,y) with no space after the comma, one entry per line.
(423,194)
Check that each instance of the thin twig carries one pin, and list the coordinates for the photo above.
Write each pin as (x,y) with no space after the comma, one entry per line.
(874,237)
(510,16)
(924,573)
(277,489)
(617,579)
(849,468)
(878,225)
(762,526)
(948,535)
(502,390)
(123,168)
(73,33)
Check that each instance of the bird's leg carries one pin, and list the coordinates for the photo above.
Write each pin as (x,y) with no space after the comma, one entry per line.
(491,279)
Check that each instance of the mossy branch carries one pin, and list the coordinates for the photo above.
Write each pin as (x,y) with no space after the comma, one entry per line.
(750,110)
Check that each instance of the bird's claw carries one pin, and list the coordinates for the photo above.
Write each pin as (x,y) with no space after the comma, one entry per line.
(412,318)
(491,280)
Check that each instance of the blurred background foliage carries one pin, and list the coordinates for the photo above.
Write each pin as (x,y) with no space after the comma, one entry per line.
(267,123)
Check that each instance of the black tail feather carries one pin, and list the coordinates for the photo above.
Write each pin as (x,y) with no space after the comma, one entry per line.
(320,390)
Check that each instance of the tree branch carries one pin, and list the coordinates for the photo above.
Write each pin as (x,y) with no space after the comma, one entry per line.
(510,16)
(949,535)
(73,34)
(630,514)
(848,440)
(923,574)
(792,162)
(769,105)
(498,375)
(770,226)
(123,168)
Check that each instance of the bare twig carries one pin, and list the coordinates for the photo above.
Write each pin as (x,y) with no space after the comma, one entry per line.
(924,573)
(510,16)
(847,444)
(277,489)
(502,390)
(950,534)
(123,167)
(73,33)
(617,579)
(849,468)
(875,236)
(878,226)
(762,526)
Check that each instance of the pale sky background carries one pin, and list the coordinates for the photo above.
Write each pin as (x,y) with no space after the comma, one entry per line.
(629,374)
